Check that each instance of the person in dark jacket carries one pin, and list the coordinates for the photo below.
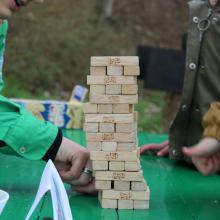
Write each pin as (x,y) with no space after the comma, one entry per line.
(195,131)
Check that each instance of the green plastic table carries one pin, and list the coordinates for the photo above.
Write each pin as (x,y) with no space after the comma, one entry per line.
(177,191)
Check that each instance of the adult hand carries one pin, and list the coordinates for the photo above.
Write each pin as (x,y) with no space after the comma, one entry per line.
(70,161)
(205,155)
(89,189)
(163,148)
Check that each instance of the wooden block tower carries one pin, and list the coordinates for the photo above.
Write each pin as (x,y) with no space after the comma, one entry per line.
(111,133)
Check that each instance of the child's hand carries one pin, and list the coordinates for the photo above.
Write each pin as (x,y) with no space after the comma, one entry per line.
(162,149)
(205,155)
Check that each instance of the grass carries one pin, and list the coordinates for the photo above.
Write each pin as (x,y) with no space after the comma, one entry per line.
(149,110)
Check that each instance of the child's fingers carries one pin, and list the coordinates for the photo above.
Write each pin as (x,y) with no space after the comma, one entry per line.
(163,152)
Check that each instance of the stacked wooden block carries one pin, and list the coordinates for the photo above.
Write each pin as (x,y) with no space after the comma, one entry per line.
(111,133)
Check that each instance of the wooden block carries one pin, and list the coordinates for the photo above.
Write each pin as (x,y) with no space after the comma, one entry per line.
(139,186)
(115,61)
(126,195)
(125,204)
(105,108)
(113,156)
(102,184)
(106,127)
(113,99)
(129,89)
(117,166)
(97,89)
(113,89)
(109,146)
(126,146)
(117,175)
(135,115)
(122,108)
(131,70)
(111,80)
(100,165)
(99,195)
(90,108)
(94,146)
(132,166)
(122,185)
(109,203)
(110,137)
(91,127)
(115,70)
(98,70)
(110,118)
(141,204)
(124,128)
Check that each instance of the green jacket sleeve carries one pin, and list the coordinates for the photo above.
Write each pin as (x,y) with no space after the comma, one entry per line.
(23,133)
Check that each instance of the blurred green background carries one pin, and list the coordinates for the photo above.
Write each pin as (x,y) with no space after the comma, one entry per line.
(49,46)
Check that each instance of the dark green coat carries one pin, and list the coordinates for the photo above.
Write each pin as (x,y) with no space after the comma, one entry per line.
(202,76)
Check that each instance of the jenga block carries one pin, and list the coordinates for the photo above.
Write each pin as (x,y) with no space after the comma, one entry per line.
(104,108)
(100,165)
(135,115)
(132,166)
(115,61)
(111,80)
(113,99)
(109,146)
(113,156)
(113,89)
(109,203)
(122,108)
(122,185)
(110,137)
(126,195)
(124,128)
(89,108)
(125,204)
(98,70)
(97,89)
(139,186)
(131,70)
(91,127)
(102,184)
(106,127)
(126,146)
(129,89)
(110,118)
(141,204)
(117,166)
(99,195)
(117,175)
(94,146)
(114,70)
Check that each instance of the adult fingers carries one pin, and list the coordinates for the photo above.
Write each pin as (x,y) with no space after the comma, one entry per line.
(89,189)
(85,177)
(78,162)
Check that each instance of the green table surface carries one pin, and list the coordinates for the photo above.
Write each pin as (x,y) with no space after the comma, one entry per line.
(177,191)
